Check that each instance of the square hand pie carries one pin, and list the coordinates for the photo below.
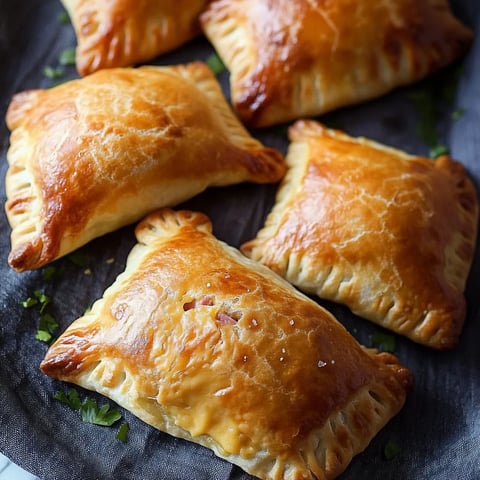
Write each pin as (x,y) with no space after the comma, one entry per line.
(204,344)
(296,58)
(121,33)
(389,235)
(98,153)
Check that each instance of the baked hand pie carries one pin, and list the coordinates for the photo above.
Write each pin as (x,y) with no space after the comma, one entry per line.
(388,234)
(204,344)
(120,33)
(291,59)
(98,153)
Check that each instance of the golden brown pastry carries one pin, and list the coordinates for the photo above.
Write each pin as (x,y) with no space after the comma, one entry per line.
(120,33)
(295,58)
(390,235)
(201,342)
(94,154)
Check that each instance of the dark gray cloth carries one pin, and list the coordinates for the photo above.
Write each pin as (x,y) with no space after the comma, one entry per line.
(438,431)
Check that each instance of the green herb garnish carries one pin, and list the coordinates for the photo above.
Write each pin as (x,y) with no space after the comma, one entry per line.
(424,103)
(439,150)
(78,258)
(52,73)
(122,432)
(72,399)
(215,63)
(63,18)
(29,302)
(456,114)
(391,449)
(52,272)
(89,410)
(384,341)
(103,416)
(67,57)
(43,300)
(47,327)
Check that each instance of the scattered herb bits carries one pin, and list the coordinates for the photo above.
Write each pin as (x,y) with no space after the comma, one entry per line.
(72,399)
(78,258)
(46,329)
(384,342)
(53,73)
(90,412)
(122,432)
(63,18)
(215,64)
(67,57)
(103,416)
(391,449)
(48,325)
(439,150)
(456,114)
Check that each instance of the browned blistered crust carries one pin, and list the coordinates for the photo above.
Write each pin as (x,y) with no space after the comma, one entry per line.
(296,58)
(121,33)
(388,234)
(280,389)
(97,153)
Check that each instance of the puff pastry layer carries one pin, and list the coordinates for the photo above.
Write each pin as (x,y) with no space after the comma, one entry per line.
(390,235)
(120,33)
(207,345)
(296,58)
(94,154)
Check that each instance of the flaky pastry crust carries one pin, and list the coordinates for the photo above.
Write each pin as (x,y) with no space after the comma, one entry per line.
(296,58)
(390,235)
(207,345)
(121,33)
(94,154)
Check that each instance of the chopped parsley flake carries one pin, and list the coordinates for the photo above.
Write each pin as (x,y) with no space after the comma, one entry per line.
(424,104)
(63,18)
(215,64)
(51,272)
(122,432)
(29,302)
(78,258)
(72,399)
(391,449)
(456,114)
(384,341)
(52,73)
(89,410)
(67,57)
(47,327)
(103,416)
(439,150)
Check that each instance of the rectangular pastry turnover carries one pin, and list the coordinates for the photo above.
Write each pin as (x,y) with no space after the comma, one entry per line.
(388,234)
(94,154)
(207,345)
(122,33)
(290,59)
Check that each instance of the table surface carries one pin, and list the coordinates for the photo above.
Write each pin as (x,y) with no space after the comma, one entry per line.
(438,430)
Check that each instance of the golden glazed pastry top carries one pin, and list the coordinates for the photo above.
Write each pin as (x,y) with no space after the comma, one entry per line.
(207,345)
(296,58)
(97,153)
(389,234)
